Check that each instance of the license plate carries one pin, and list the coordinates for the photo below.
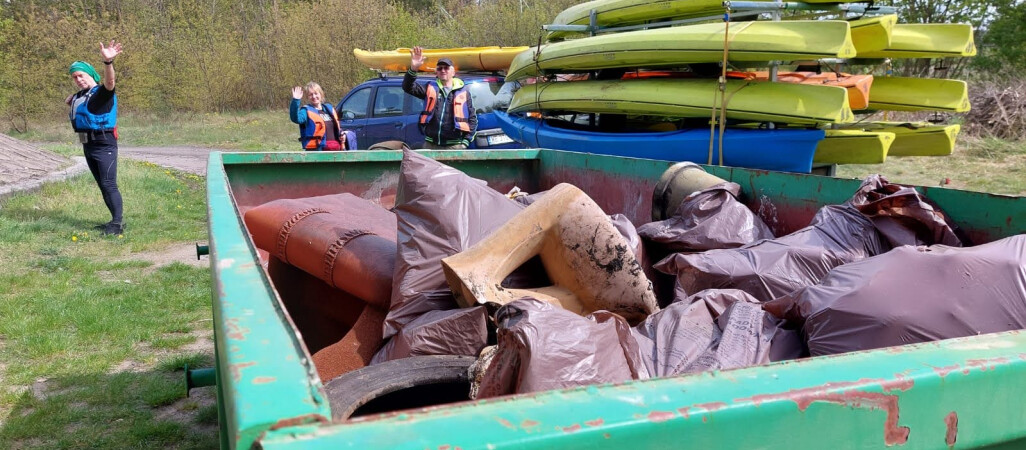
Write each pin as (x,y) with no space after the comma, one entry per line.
(497,139)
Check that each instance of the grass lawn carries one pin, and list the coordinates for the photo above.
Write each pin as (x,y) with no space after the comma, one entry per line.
(985,165)
(93,333)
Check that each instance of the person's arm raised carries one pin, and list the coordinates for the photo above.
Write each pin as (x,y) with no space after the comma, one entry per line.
(108,54)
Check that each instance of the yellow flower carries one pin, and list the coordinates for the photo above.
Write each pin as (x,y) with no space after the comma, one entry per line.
(121,236)
(74,238)
(179,206)
(178,191)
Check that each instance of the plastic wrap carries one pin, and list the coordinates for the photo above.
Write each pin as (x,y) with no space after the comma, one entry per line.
(441,211)
(708,219)
(912,294)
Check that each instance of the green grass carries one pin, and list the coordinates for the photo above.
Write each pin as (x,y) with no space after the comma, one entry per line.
(247,131)
(985,165)
(96,334)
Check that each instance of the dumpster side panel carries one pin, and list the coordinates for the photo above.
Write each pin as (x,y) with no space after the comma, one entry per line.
(372,175)
(934,395)
(265,377)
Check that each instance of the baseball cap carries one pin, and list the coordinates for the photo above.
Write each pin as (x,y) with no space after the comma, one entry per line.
(445,61)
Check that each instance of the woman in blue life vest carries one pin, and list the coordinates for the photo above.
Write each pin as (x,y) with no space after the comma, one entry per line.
(318,123)
(93,113)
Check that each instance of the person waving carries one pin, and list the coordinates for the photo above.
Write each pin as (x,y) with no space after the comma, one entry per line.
(318,123)
(93,111)
(449,120)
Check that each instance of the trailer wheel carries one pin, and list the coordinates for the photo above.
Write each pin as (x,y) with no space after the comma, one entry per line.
(412,382)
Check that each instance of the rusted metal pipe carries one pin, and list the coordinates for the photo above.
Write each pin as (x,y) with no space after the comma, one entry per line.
(195,378)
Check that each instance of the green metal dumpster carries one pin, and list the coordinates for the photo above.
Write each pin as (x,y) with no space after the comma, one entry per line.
(957,393)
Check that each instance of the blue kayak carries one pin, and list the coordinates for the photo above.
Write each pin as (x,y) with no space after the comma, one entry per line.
(780,150)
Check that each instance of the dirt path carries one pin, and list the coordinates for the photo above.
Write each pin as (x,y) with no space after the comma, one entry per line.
(187,159)
(24,166)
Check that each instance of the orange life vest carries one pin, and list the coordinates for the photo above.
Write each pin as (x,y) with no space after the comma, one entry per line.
(461,110)
(312,132)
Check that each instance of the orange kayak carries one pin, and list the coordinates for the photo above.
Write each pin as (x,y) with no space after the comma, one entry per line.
(857,85)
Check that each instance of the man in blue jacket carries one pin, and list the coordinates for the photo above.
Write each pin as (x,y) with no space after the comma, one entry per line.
(449,120)
(93,113)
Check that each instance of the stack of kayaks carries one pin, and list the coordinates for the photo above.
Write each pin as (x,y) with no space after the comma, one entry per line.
(669,76)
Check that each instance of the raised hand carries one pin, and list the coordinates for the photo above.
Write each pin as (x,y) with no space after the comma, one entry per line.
(417,58)
(110,52)
(297,92)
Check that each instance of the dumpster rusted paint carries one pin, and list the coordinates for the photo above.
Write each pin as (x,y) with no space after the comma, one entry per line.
(960,392)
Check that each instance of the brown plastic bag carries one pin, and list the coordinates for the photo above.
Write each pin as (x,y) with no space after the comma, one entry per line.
(878,216)
(708,219)
(912,294)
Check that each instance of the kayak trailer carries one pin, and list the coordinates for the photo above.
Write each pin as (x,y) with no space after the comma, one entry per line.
(959,393)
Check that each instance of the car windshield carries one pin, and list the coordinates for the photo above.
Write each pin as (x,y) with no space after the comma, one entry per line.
(488,95)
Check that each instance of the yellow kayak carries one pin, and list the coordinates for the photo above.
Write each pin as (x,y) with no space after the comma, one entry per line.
(614,13)
(919,94)
(918,138)
(676,46)
(927,40)
(853,147)
(491,59)
(873,33)
(748,100)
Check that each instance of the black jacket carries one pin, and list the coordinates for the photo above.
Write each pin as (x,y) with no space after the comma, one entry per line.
(441,129)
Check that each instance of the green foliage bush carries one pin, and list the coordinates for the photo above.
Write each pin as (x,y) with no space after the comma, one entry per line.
(222,55)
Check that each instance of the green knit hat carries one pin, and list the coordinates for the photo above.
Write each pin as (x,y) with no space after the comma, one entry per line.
(82,66)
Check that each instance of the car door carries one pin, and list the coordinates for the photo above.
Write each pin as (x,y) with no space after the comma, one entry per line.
(411,118)
(386,119)
(353,112)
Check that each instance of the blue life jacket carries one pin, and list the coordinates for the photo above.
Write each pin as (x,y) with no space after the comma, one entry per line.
(311,132)
(83,120)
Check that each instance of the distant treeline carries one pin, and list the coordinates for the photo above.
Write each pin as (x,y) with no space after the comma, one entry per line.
(221,55)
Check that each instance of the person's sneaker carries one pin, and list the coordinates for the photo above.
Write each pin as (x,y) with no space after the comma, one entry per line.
(113,228)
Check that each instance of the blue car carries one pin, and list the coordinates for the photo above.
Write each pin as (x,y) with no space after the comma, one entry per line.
(378,110)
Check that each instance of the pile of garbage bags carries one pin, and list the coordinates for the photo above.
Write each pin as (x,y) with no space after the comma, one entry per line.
(548,291)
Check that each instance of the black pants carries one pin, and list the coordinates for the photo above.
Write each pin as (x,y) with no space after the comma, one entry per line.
(102,158)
